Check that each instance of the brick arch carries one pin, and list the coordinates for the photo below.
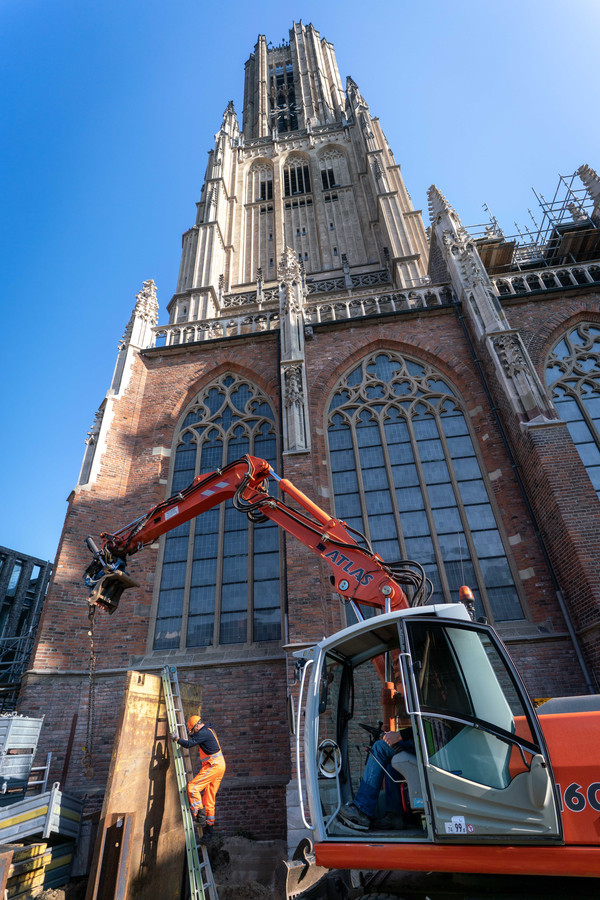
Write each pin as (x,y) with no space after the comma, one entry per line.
(554,332)
(448,367)
(173,410)
(541,333)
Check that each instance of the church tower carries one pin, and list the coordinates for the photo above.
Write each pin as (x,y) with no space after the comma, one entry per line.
(310,170)
(439,396)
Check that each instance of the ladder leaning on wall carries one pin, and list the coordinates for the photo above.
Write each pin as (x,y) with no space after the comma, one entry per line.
(202,883)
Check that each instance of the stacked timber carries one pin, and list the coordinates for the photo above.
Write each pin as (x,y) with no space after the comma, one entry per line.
(35,867)
(26,870)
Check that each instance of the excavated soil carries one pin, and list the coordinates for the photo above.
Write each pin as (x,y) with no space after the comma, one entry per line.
(243,870)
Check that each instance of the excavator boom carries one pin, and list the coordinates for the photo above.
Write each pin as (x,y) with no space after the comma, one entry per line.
(358,574)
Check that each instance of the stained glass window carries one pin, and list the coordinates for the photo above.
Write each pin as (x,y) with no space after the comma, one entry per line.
(406,475)
(219,580)
(573,378)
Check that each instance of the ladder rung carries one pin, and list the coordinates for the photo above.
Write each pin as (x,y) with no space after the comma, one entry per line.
(198,862)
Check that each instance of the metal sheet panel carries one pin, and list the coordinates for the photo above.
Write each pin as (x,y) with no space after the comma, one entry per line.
(142,784)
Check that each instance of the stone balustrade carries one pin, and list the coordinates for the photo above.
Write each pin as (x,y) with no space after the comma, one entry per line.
(557,278)
(432,296)
(214,329)
(349,307)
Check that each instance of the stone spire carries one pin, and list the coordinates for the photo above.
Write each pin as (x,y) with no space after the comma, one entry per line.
(473,287)
(293,86)
(143,318)
(137,336)
(591,180)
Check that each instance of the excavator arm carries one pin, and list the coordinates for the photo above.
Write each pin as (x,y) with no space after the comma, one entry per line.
(358,573)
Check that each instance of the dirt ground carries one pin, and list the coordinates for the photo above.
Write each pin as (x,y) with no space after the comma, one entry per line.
(242,869)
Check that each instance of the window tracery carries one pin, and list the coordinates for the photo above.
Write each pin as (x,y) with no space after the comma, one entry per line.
(573,379)
(405,473)
(296,177)
(219,578)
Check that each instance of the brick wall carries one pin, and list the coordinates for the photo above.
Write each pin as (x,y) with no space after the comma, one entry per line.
(249,700)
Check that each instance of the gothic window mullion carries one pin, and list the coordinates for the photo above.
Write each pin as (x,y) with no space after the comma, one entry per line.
(439,562)
(219,579)
(474,559)
(359,477)
(418,473)
(188,581)
(577,396)
(391,488)
(573,379)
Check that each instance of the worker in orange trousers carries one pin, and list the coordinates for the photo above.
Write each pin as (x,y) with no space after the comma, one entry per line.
(202,790)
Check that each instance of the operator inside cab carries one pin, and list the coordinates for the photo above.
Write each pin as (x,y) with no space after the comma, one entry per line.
(382,769)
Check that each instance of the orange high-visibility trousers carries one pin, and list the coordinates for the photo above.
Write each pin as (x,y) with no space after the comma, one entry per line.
(205,785)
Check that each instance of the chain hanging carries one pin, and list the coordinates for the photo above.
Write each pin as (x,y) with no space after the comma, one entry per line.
(87,757)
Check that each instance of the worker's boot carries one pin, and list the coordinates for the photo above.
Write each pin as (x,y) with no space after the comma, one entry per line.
(200,817)
(354,817)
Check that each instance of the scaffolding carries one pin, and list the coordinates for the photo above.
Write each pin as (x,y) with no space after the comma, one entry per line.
(14,655)
(567,232)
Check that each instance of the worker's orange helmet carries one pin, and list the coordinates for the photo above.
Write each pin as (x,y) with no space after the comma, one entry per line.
(193,720)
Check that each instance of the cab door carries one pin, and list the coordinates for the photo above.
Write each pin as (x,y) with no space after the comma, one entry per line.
(485,764)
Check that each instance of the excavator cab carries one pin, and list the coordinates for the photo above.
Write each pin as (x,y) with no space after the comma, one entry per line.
(479,773)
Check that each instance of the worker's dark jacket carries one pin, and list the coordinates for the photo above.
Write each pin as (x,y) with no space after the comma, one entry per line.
(204,739)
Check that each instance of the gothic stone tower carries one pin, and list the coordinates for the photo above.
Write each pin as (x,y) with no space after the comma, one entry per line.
(400,387)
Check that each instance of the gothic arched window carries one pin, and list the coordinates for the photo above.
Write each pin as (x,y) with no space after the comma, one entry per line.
(296,177)
(405,473)
(334,169)
(573,378)
(219,581)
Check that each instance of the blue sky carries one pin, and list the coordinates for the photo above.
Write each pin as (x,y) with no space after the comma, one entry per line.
(108,111)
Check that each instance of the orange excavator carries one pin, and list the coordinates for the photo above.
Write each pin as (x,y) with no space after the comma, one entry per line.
(494,789)
(359,575)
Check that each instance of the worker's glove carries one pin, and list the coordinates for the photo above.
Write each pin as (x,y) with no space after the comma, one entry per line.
(174,736)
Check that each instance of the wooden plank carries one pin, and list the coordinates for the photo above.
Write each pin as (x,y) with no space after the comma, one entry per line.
(6,858)
(142,784)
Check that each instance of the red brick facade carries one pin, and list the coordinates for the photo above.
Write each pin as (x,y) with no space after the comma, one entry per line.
(246,695)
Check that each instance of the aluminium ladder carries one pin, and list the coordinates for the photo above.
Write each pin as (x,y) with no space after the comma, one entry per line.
(202,883)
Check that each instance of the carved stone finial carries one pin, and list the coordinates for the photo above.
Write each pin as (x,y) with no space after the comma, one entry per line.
(578,214)
(146,305)
(288,263)
(353,93)
(145,312)
(293,392)
(437,203)
(289,274)
(92,435)
(591,180)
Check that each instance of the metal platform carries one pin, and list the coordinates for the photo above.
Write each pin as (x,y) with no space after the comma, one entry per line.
(52,812)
